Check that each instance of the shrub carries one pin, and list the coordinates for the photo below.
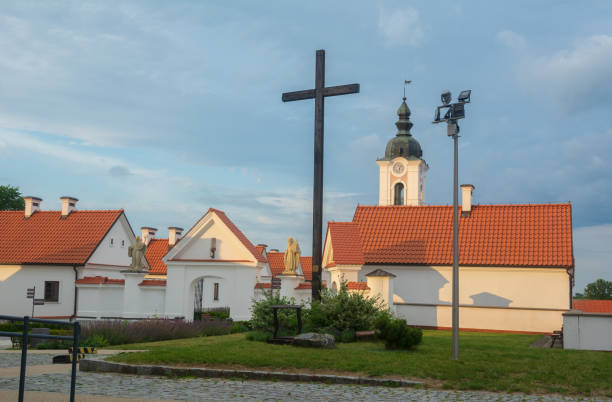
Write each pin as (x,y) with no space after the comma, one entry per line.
(241,326)
(117,332)
(345,312)
(396,333)
(262,318)
(260,336)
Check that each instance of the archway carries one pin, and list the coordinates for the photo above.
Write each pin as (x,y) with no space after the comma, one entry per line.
(208,293)
(398,196)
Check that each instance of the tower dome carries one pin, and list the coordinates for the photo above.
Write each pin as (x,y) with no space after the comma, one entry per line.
(403,144)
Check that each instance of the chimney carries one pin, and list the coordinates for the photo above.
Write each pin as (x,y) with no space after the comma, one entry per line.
(68,205)
(466,200)
(32,204)
(174,235)
(148,234)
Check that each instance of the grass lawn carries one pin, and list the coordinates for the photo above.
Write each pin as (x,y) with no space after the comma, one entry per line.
(493,362)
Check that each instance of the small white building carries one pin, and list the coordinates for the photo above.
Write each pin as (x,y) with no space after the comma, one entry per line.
(52,251)
(516,261)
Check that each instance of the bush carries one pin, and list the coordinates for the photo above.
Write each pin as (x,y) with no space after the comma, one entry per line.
(103,333)
(345,313)
(241,326)
(260,336)
(262,318)
(396,333)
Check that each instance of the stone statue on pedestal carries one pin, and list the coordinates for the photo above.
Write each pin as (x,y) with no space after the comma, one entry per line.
(137,251)
(292,257)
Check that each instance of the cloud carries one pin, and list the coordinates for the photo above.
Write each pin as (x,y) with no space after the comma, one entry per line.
(400,27)
(577,78)
(593,254)
(511,39)
(366,143)
(119,171)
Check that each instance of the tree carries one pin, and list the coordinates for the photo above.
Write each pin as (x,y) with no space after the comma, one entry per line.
(10,199)
(599,289)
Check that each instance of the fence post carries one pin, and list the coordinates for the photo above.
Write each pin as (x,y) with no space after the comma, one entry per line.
(24,356)
(75,354)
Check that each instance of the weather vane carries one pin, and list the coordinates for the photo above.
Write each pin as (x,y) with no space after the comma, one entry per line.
(406,82)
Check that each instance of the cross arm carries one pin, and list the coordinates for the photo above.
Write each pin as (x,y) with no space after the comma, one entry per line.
(298,95)
(329,91)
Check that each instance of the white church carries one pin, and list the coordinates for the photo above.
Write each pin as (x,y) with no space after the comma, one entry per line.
(516,261)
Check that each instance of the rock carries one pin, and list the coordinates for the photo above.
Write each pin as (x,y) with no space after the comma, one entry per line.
(314,340)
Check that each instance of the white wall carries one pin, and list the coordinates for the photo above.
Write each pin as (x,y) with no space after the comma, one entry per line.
(518,299)
(115,254)
(100,301)
(236,291)
(589,331)
(15,279)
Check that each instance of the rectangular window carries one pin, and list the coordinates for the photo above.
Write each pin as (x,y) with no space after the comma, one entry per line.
(216,292)
(51,291)
(112,242)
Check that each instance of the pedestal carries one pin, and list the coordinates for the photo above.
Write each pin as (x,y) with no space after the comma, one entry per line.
(132,299)
(288,284)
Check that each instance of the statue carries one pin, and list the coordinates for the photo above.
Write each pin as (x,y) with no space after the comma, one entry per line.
(137,251)
(292,257)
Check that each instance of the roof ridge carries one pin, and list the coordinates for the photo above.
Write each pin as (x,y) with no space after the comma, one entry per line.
(473,205)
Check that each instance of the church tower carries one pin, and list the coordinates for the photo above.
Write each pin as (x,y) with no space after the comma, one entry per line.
(402,170)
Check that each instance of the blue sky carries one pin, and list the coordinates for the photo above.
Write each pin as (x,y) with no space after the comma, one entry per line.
(168,108)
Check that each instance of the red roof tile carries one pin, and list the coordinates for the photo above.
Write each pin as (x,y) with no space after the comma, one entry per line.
(357,286)
(261,249)
(46,238)
(243,239)
(263,285)
(494,235)
(304,285)
(276,260)
(153,282)
(99,280)
(156,250)
(593,306)
(346,243)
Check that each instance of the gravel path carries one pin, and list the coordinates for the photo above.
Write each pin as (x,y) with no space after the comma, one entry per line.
(131,386)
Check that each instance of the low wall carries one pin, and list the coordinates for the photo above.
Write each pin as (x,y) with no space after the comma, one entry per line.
(588,331)
(510,319)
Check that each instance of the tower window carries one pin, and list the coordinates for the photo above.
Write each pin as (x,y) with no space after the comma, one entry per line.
(398,196)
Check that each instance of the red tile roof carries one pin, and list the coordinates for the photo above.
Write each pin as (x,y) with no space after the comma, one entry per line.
(99,280)
(494,235)
(261,250)
(593,306)
(346,243)
(156,250)
(46,238)
(276,260)
(243,239)
(263,285)
(304,285)
(153,282)
(357,286)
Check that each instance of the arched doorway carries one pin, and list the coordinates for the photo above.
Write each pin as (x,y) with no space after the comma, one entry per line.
(208,293)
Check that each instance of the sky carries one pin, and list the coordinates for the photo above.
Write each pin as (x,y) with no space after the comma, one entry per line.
(166,109)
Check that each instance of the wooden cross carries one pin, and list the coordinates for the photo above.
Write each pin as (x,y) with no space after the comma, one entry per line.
(318,94)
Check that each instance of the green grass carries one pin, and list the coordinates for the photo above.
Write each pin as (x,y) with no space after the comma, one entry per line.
(493,362)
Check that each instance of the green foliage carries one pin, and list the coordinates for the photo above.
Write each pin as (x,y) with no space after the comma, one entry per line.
(96,340)
(345,312)
(396,333)
(54,345)
(10,199)
(241,326)
(262,318)
(599,290)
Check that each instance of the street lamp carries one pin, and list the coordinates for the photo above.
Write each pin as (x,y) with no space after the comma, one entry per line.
(454,112)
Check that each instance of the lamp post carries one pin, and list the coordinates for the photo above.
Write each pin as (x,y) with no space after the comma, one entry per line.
(454,112)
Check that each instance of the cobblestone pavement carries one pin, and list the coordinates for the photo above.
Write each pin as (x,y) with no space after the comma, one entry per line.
(131,386)
(14,359)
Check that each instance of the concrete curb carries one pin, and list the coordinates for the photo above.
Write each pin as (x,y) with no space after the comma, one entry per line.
(122,368)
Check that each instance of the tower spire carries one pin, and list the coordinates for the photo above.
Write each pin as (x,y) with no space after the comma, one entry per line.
(404,124)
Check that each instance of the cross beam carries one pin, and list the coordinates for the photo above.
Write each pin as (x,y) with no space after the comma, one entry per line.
(319,93)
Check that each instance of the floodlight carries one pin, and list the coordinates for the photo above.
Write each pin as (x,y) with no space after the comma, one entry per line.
(448,114)
(446,97)
(457,111)
(464,96)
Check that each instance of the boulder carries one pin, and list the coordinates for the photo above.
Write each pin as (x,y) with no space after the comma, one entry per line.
(314,340)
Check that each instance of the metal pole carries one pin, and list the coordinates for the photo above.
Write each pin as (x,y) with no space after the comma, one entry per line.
(456,245)
(75,351)
(24,356)
(33,297)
